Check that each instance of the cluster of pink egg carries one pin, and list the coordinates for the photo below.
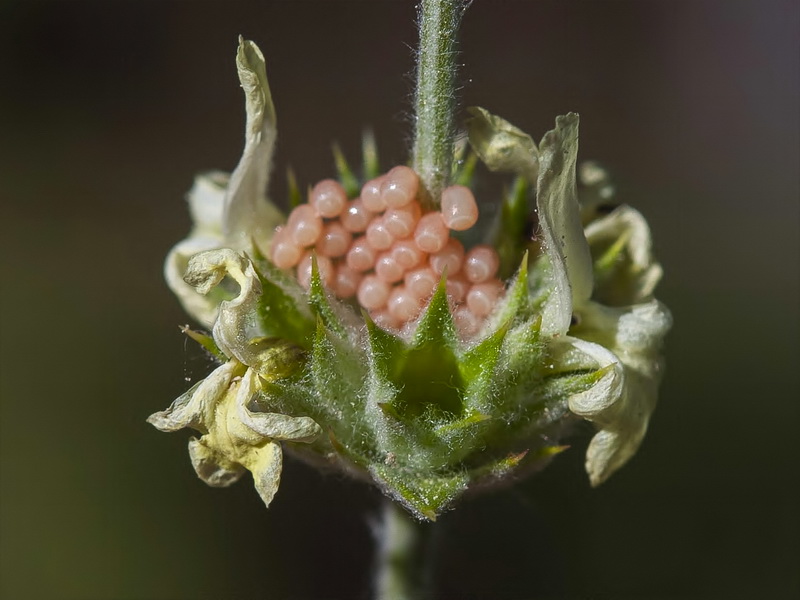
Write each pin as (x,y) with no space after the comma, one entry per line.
(382,249)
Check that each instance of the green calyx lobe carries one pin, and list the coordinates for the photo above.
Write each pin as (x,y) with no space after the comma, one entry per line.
(426,416)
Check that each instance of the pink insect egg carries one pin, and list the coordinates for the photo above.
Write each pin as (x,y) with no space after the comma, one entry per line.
(383,319)
(467,324)
(371,195)
(459,209)
(399,187)
(373,292)
(334,241)
(355,217)
(304,226)
(406,254)
(456,288)
(361,256)
(345,281)
(431,233)
(450,257)
(328,198)
(421,282)
(324,265)
(386,268)
(401,221)
(482,297)
(481,264)
(284,253)
(403,305)
(378,236)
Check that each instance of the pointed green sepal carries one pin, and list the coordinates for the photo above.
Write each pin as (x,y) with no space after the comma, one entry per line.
(387,350)
(281,315)
(510,237)
(295,197)
(426,497)
(436,325)
(516,302)
(346,176)
(465,173)
(206,341)
(469,421)
(318,299)
(369,151)
(478,365)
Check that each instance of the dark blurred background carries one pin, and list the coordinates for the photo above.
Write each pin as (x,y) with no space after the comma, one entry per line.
(108,109)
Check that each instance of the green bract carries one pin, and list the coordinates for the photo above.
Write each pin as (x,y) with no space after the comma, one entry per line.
(425,415)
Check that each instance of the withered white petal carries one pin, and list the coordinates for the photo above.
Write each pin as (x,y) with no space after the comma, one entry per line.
(213,468)
(571,353)
(266,464)
(626,225)
(560,223)
(272,425)
(634,335)
(247,214)
(196,406)
(502,146)
(206,200)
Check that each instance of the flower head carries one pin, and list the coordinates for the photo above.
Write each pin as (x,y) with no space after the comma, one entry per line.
(364,333)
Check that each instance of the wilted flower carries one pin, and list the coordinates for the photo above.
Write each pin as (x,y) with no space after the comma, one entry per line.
(427,395)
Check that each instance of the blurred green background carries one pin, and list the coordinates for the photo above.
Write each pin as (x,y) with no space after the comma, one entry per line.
(108,109)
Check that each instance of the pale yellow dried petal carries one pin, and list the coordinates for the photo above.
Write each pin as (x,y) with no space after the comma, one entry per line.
(206,200)
(266,464)
(560,223)
(195,407)
(642,272)
(247,214)
(213,468)
(634,335)
(500,145)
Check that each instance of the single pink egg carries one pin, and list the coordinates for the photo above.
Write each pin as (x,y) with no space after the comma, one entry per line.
(406,254)
(421,282)
(386,268)
(403,305)
(459,209)
(383,319)
(371,195)
(334,241)
(481,264)
(378,236)
(456,288)
(431,233)
(373,292)
(283,252)
(328,198)
(482,297)
(355,217)
(399,187)
(345,282)
(324,265)
(361,256)
(467,324)
(450,257)
(304,226)
(401,221)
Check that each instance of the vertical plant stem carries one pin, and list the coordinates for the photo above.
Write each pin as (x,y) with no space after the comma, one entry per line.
(402,571)
(435,99)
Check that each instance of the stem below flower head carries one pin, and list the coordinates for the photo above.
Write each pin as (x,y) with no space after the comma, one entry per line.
(435,100)
(402,571)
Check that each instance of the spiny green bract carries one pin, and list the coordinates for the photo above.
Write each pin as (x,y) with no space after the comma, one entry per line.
(426,417)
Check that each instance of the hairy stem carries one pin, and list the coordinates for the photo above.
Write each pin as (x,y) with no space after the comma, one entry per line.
(435,100)
(402,571)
